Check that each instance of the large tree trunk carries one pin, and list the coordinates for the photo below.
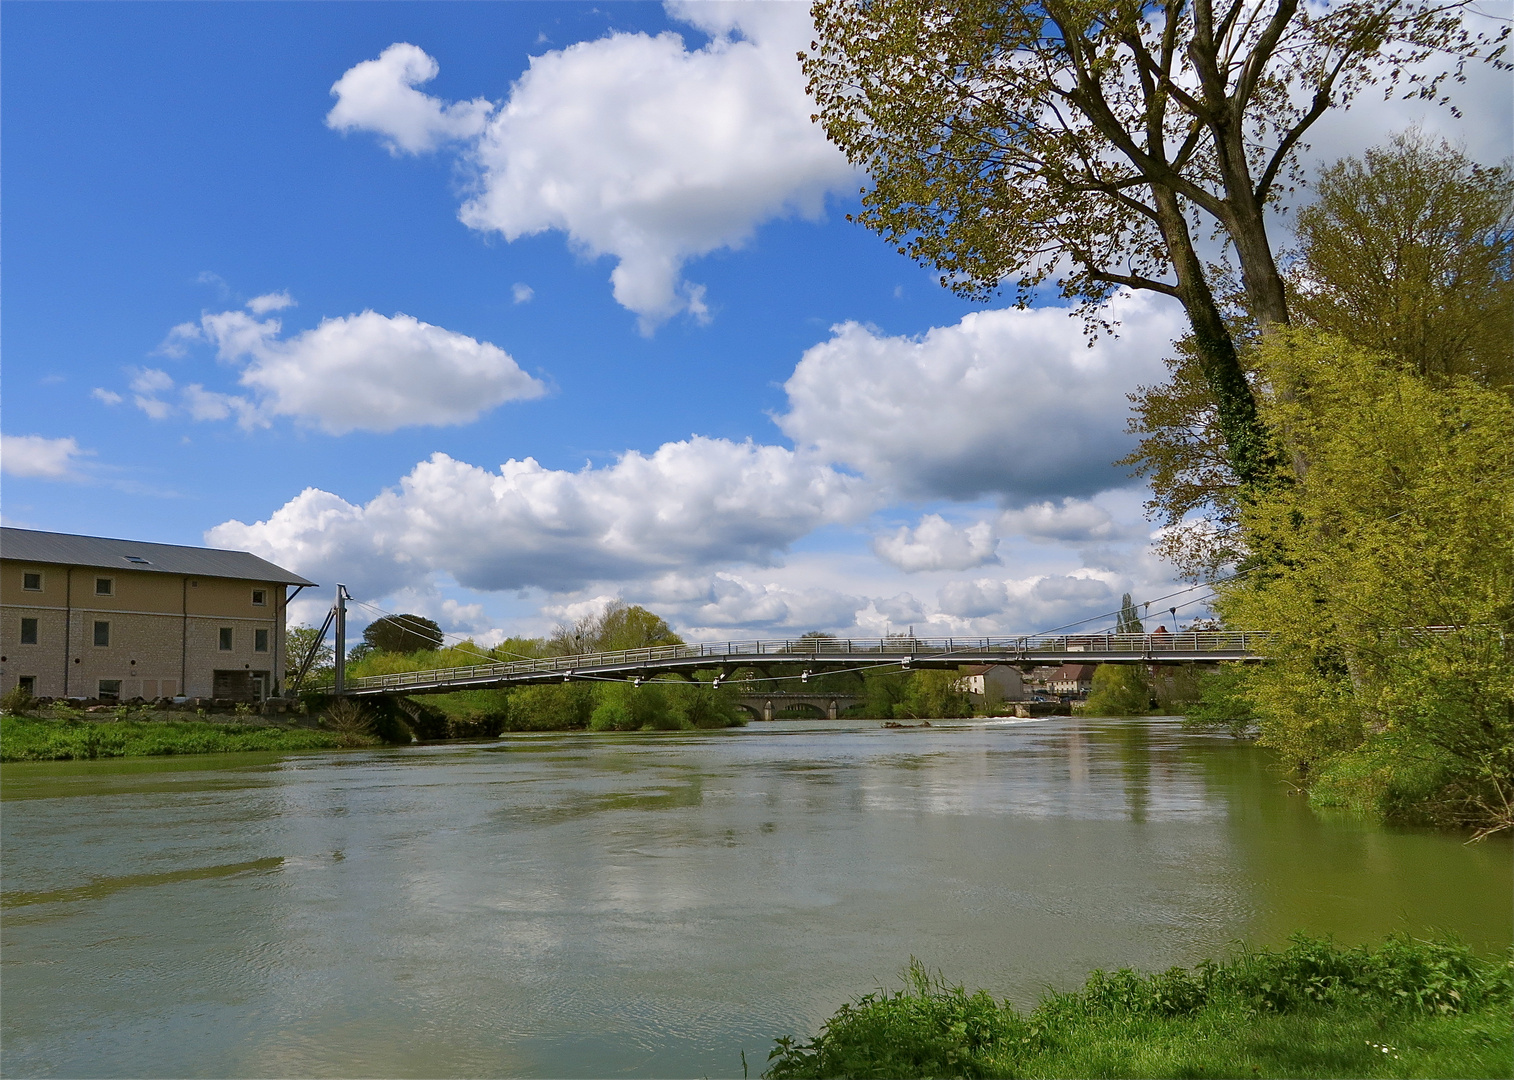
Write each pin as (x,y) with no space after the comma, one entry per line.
(1248,445)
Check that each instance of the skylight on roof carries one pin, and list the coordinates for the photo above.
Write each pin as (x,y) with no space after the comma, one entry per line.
(136,559)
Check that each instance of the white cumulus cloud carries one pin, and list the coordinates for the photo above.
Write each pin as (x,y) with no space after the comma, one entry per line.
(1006,402)
(936,544)
(364,372)
(636,147)
(698,503)
(39,457)
(381,96)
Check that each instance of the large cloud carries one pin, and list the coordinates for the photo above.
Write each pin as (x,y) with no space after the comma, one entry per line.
(1011,402)
(635,146)
(936,544)
(698,503)
(39,457)
(364,372)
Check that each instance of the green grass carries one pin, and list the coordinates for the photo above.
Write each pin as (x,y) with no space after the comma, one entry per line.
(1407,1008)
(25,738)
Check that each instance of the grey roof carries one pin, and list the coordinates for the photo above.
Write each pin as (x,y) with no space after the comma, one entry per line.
(27,545)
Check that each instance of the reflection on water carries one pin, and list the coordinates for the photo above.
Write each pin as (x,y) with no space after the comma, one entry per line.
(575,905)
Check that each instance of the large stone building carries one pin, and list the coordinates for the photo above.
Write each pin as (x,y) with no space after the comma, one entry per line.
(86,617)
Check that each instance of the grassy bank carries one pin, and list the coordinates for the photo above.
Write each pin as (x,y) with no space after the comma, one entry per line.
(25,738)
(1406,1008)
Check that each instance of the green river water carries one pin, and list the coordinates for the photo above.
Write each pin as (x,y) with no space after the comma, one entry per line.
(652,905)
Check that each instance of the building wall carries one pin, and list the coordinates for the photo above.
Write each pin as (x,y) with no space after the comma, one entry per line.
(164,631)
(995,683)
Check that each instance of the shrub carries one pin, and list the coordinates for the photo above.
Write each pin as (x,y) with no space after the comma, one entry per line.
(16,702)
(1119,690)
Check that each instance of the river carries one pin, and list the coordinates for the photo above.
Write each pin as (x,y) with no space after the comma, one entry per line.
(652,905)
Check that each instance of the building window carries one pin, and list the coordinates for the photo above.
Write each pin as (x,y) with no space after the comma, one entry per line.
(27,684)
(28,631)
(102,633)
(226,639)
(105,586)
(110,690)
(31,582)
(259,597)
(260,641)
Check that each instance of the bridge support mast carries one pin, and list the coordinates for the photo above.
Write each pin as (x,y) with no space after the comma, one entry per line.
(340,609)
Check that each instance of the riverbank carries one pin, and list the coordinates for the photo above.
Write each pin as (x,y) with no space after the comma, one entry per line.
(26,738)
(1406,1008)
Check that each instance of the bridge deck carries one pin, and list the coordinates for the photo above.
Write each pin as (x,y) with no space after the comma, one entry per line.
(818,654)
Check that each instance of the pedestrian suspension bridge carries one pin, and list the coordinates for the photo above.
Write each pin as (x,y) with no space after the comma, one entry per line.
(798,657)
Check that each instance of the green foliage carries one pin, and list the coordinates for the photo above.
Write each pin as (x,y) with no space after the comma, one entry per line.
(1224,702)
(1177,688)
(465,654)
(883,693)
(1408,252)
(298,641)
(1008,143)
(16,702)
(1386,582)
(1129,620)
(1318,996)
(552,707)
(1119,690)
(931,694)
(403,634)
(663,705)
(26,739)
(619,626)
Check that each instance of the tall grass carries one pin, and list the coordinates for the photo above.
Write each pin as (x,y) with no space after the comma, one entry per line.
(27,739)
(1405,1008)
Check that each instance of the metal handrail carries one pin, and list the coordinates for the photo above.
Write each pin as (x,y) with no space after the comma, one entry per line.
(1142,646)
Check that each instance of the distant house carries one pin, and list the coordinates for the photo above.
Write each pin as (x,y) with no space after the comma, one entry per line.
(992,683)
(89,617)
(1072,679)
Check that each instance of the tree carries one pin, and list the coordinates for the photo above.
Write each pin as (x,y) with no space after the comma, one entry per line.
(932,694)
(619,626)
(1410,252)
(1092,143)
(403,634)
(1129,621)
(298,641)
(1407,252)
(1389,586)
(1119,690)
(630,626)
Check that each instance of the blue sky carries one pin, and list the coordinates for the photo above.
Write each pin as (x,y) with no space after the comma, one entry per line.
(302,278)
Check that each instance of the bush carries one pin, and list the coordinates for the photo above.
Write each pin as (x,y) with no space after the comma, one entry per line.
(1224,702)
(551,707)
(1185,1019)
(16,702)
(1119,690)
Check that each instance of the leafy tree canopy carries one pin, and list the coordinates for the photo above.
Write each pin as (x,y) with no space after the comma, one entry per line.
(403,634)
(619,626)
(1389,586)
(1408,251)
(1089,143)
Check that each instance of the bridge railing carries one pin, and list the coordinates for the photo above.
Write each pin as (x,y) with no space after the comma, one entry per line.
(1070,647)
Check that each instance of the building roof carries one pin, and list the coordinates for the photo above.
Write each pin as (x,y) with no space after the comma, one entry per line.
(1079,672)
(28,545)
